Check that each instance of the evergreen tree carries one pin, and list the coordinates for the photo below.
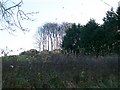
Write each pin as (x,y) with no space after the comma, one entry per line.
(111,24)
(93,38)
(72,39)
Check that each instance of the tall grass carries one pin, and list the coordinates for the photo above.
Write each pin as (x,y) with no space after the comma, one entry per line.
(56,70)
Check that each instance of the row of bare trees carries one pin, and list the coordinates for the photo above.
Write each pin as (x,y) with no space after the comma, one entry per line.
(49,36)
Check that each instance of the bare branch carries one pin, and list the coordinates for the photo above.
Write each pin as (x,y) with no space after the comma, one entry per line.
(17,5)
(106,3)
(11,17)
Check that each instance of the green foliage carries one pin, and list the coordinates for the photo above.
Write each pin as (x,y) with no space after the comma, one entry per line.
(30,52)
(12,57)
(72,38)
(55,82)
(93,38)
(88,38)
(118,16)
(111,32)
(21,82)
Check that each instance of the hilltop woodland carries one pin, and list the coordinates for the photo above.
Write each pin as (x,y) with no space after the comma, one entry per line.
(70,56)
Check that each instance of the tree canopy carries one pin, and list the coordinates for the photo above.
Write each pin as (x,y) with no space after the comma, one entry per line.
(93,38)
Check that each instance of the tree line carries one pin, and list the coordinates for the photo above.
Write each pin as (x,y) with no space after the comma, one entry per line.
(94,38)
(91,38)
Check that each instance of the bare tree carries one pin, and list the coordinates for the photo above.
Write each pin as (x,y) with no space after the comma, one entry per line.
(38,40)
(47,34)
(52,29)
(50,35)
(42,39)
(11,15)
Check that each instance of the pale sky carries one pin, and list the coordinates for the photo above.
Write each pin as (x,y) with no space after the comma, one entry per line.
(77,11)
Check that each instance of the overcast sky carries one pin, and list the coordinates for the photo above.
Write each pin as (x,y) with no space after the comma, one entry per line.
(76,11)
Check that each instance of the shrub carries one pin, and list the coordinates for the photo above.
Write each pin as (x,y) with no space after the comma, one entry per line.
(31,52)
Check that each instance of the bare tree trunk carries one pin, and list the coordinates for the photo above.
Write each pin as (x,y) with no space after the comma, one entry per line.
(48,43)
(51,42)
(39,46)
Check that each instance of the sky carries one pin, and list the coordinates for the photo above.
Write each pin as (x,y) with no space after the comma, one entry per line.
(74,11)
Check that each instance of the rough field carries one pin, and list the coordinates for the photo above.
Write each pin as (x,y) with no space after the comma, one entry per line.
(60,71)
